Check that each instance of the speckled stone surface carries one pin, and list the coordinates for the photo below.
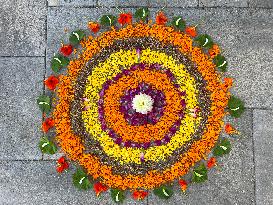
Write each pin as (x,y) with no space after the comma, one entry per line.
(173,3)
(123,3)
(53,2)
(22,27)
(261,3)
(263,141)
(223,3)
(233,183)
(20,118)
(37,182)
(77,2)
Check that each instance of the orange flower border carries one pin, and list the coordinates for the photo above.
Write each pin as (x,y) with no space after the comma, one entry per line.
(72,145)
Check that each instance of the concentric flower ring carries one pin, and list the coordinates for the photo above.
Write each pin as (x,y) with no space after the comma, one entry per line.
(104,58)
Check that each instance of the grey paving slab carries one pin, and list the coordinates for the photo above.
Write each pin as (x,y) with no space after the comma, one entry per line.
(122,3)
(20,118)
(173,3)
(53,2)
(233,185)
(22,27)
(261,3)
(263,143)
(72,2)
(32,183)
(223,3)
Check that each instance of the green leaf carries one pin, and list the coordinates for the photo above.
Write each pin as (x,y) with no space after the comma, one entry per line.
(117,195)
(44,104)
(59,62)
(142,14)
(200,174)
(204,40)
(222,148)
(108,20)
(236,107)
(47,147)
(164,192)
(221,63)
(76,37)
(179,23)
(80,180)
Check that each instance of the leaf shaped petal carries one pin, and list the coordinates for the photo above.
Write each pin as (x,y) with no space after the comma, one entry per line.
(236,107)
(204,40)
(200,174)
(179,23)
(117,195)
(108,20)
(164,192)
(44,104)
(80,180)
(222,148)
(47,147)
(142,13)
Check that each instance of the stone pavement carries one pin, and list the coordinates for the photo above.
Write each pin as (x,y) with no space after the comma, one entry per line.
(30,32)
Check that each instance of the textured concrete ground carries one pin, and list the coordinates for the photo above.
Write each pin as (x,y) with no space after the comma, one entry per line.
(30,32)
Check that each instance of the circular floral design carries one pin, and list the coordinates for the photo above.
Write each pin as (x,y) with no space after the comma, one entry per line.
(140,105)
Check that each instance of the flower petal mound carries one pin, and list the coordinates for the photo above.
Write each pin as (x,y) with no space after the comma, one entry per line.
(140,105)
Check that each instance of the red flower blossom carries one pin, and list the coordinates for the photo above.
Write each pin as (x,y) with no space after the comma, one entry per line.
(212,162)
(51,82)
(228,82)
(62,165)
(139,195)
(47,124)
(125,18)
(94,27)
(214,51)
(183,184)
(161,18)
(99,187)
(66,50)
(230,130)
(191,31)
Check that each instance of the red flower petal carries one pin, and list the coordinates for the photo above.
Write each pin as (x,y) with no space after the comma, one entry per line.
(48,124)
(51,82)
(125,18)
(99,187)
(183,184)
(66,50)
(161,18)
(65,165)
(212,162)
(191,31)
(94,27)
(61,160)
(60,169)
(139,194)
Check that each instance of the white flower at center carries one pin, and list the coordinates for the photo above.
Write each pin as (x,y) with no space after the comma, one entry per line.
(143,103)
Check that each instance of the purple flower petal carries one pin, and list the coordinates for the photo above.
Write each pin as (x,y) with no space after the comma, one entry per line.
(146,145)
(118,141)
(157,142)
